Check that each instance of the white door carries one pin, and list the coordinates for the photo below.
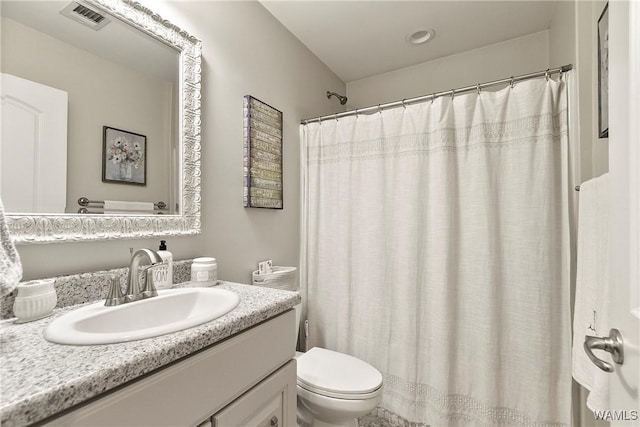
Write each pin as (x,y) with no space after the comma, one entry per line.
(33,147)
(624,164)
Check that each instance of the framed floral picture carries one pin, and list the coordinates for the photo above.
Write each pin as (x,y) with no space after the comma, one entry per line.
(124,157)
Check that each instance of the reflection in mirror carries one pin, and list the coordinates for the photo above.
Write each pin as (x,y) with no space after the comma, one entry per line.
(100,102)
(68,71)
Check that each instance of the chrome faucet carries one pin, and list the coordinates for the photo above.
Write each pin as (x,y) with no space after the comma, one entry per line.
(134,292)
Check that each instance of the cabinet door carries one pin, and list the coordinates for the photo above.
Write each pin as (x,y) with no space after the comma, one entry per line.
(272,403)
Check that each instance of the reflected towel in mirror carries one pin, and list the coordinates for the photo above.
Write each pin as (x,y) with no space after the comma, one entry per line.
(130,213)
(115,205)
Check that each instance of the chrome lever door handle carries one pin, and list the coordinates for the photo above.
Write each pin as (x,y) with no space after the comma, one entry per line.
(611,344)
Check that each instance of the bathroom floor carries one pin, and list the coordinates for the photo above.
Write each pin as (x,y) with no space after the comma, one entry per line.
(372,420)
(379,417)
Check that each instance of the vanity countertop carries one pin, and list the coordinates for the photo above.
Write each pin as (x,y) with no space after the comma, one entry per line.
(40,379)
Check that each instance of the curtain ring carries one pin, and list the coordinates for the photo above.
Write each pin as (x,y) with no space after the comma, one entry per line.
(511,83)
(335,116)
(356,113)
(453,93)
(561,74)
(379,109)
(319,121)
(403,105)
(433,97)
(546,74)
(478,88)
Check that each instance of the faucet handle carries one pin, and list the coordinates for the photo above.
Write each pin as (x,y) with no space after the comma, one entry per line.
(149,288)
(115,295)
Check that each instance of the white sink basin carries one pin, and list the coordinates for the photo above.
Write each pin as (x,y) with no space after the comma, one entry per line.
(171,311)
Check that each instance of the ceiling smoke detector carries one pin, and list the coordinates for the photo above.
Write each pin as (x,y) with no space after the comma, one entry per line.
(85,16)
(421,35)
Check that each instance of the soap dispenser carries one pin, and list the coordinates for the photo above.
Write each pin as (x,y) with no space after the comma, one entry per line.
(163,274)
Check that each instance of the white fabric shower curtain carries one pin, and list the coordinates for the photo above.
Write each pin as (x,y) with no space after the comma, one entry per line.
(435,246)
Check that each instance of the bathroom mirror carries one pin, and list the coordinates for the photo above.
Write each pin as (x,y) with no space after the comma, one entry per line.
(132,81)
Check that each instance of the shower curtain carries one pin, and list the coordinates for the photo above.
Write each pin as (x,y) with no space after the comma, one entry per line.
(435,246)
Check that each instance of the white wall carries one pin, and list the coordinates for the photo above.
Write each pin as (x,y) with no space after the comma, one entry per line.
(245,51)
(509,58)
(101,93)
(562,34)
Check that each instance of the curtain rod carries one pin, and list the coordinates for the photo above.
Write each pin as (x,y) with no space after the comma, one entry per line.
(510,80)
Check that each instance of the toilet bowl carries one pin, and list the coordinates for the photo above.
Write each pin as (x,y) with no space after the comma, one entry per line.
(334,389)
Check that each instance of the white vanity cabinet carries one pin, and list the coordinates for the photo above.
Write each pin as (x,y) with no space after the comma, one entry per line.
(272,403)
(246,380)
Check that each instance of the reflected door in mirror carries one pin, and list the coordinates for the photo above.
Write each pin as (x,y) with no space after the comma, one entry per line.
(33,149)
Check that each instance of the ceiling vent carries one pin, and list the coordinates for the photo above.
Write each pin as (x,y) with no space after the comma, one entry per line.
(85,15)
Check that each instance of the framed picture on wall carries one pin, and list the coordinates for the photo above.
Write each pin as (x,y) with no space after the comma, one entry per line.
(262,155)
(603,73)
(124,157)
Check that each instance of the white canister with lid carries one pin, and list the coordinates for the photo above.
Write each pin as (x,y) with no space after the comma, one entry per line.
(34,300)
(204,271)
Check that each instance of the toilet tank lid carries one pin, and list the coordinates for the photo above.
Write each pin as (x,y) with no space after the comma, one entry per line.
(337,372)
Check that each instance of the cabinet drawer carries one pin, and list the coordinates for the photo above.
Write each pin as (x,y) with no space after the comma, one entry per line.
(191,390)
(272,403)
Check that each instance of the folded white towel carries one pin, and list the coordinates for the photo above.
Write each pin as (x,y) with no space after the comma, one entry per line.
(10,265)
(115,205)
(591,314)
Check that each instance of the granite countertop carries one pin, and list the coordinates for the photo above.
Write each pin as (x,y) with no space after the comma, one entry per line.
(40,379)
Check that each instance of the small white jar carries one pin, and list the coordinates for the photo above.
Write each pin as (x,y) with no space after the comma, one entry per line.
(34,300)
(204,271)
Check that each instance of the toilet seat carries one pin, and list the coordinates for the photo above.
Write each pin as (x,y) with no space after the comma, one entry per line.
(332,374)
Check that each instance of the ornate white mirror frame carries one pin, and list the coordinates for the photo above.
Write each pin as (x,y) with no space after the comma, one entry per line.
(27,228)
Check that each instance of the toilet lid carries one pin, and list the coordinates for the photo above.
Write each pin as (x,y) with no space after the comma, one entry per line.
(325,370)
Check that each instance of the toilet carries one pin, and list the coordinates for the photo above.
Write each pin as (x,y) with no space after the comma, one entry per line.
(334,389)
